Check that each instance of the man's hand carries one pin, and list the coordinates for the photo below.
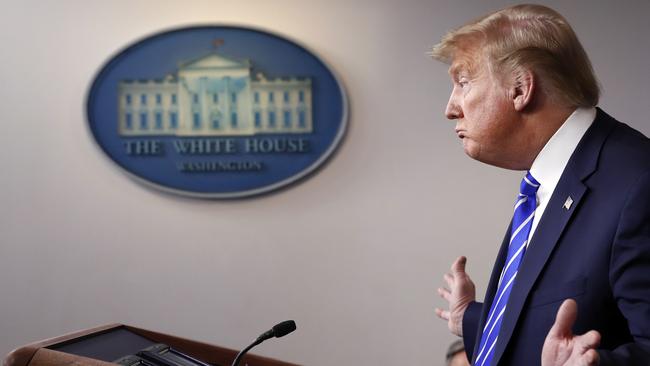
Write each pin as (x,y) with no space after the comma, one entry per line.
(459,294)
(563,348)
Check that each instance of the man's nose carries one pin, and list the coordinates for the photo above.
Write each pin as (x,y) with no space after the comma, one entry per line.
(453,110)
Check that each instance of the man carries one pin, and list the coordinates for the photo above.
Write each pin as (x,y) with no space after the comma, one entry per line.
(456,354)
(524,98)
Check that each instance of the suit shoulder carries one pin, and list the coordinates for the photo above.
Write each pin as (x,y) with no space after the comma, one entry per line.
(626,148)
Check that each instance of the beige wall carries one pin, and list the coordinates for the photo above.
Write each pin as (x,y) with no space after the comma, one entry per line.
(353,254)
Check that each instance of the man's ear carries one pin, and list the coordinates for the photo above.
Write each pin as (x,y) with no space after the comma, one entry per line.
(523,89)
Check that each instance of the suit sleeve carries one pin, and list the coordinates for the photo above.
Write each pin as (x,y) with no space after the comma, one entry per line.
(629,276)
(470,326)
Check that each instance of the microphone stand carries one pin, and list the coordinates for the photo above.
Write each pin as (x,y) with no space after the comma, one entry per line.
(243,352)
(279,330)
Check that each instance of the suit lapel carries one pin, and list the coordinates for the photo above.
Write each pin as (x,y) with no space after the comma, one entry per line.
(582,164)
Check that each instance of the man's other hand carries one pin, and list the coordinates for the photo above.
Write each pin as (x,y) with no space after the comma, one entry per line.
(459,293)
(563,348)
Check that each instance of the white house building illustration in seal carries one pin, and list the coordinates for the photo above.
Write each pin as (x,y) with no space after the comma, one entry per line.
(214,96)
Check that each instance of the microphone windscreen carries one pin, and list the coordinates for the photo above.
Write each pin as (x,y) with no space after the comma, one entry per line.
(284,328)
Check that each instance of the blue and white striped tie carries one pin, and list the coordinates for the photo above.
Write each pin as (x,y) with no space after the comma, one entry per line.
(521,224)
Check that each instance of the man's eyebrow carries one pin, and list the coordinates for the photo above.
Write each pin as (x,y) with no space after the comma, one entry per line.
(457,68)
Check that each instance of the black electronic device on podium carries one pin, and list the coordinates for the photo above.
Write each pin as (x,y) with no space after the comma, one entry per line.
(128,346)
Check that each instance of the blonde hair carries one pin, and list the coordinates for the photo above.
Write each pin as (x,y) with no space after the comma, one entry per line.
(531,37)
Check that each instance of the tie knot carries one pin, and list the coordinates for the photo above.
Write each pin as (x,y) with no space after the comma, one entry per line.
(529,185)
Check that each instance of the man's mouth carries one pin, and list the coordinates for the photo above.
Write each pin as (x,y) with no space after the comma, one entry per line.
(460,133)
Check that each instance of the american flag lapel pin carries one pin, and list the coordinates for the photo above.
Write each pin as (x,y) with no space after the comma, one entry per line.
(568,203)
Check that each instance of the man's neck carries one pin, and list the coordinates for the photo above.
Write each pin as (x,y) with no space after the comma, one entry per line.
(542,126)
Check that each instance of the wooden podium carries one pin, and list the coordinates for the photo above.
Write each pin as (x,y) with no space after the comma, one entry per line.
(80,349)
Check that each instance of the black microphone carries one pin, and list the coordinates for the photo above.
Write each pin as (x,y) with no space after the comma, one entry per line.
(278,330)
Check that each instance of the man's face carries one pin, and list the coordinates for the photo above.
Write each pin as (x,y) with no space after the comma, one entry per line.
(484,114)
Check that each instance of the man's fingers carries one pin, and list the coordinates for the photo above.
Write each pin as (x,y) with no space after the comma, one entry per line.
(564,319)
(591,358)
(444,293)
(588,341)
(442,314)
(459,265)
(449,279)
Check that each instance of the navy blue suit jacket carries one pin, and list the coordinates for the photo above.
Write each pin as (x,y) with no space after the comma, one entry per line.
(596,252)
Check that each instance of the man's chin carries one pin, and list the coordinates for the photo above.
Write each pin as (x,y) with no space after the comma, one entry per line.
(499,163)
(474,152)
(471,149)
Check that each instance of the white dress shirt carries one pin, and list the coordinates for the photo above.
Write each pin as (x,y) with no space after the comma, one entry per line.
(551,161)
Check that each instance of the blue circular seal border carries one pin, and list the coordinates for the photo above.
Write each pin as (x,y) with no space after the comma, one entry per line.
(98,111)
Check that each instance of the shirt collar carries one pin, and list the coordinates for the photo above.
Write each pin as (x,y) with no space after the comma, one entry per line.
(551,161)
